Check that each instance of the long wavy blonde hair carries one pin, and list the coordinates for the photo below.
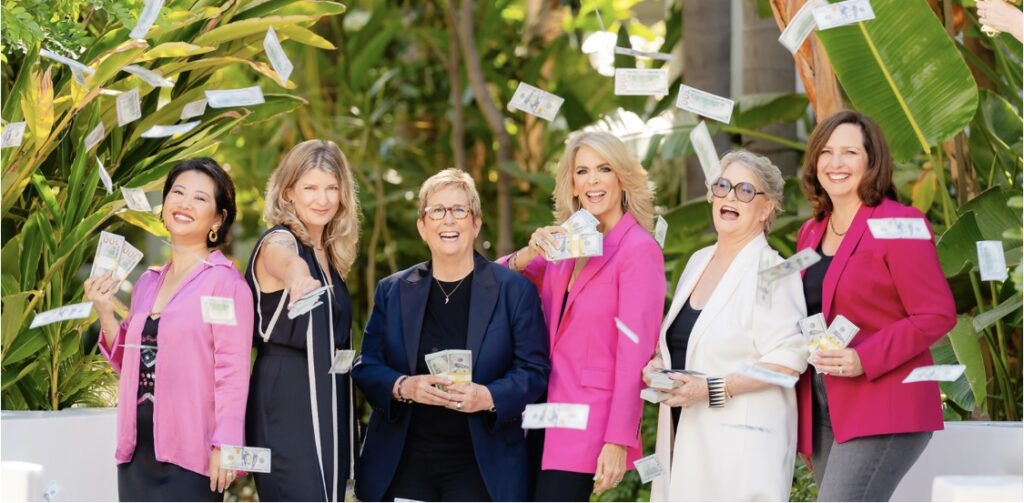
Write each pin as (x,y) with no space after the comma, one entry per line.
(341,236)
(639,200)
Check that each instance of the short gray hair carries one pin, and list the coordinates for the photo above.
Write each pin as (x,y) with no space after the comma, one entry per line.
(451,177)
(768,175)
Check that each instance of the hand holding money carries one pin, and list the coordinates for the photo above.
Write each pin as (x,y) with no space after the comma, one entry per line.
(473,397)
(299,284)
(220,478)
(100,291)
(543,242)
(424,389)
(838,362)
(693,391)
(652,366)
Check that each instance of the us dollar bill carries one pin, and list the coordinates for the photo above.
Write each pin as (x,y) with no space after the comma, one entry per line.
(899,228)
(798,262)
(108,249)
(249,459)
(648,468)
(63,313)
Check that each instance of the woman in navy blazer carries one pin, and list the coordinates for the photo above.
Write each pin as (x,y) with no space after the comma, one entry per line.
(459,442)
(860,424)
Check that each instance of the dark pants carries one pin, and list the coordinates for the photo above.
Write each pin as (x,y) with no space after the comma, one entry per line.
(860,469)
(146,479)
(427,474)
(559,485)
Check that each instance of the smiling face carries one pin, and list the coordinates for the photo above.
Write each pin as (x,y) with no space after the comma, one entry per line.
(842,162)
(190,208)
(449,237)
(316,197)
(597,186)
(734,218)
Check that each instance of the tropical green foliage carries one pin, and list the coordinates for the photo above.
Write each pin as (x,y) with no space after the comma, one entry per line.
(52,209)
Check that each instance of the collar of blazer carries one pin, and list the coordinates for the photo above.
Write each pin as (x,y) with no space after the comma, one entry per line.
(816,233)
(414,290)
(743,267)
(610,246)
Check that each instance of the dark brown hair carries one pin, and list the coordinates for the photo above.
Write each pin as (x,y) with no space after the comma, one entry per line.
(224,192)
(877,181)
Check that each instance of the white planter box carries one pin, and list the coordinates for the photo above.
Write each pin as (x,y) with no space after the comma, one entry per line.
(75,447)
(965,448)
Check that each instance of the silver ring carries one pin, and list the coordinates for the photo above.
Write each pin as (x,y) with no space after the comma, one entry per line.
(458,405)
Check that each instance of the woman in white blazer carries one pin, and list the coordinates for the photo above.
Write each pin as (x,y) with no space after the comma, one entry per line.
(723,435)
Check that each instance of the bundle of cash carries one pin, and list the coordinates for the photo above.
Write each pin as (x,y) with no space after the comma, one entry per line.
(248,459)
(455,364)
(661,380)
(114,255)
(648,468)
(899,228)
(705,104)
(842,14)
(306,303)
(838,335)
(14,133)
(218,310)
(652,395)
(582,238)
(660,230)
(641,82)
(935,373)
(800,26)
(343,361)
(991,261)
(63,313)
(769,376)
(556,415)
(536,101)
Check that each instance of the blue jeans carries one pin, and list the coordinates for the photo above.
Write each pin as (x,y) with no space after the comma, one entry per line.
(860,469)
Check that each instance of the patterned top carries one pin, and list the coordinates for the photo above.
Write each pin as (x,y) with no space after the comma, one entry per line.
(147,360)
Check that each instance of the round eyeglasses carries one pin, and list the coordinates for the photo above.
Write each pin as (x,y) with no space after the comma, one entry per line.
(745,191)
(438,212)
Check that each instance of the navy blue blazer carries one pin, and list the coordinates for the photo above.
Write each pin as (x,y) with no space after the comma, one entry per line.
(509,342)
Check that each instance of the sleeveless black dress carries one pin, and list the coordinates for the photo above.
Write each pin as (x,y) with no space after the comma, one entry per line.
(280,413)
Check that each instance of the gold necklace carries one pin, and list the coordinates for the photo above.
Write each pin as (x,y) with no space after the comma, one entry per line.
(833,227)
(447,295)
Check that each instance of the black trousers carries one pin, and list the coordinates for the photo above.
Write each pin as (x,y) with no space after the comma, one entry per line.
(146,479)
(558,485)
(430,474)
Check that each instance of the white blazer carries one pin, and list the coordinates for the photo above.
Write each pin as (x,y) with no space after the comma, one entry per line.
(745,450)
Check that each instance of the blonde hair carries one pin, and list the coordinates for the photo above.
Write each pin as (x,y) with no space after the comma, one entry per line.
(341,236)
(451,177)
(768,175)
(639,195)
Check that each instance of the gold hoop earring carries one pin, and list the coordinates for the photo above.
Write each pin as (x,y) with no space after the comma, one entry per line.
(213,235)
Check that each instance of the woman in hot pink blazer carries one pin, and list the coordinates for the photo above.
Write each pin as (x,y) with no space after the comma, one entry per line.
(592,362)
(184,381)
(862,427)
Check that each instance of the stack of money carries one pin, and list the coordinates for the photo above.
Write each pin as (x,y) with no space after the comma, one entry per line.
(652,395)
(582,238)
(556,415)
(661,380)
(306,303)
(114,255)
(455,364)
(836,336)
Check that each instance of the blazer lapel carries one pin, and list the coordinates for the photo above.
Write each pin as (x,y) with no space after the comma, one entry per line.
(846,248)
(686,283)
(412,302)
(482,300)
(743,266)
(595,264)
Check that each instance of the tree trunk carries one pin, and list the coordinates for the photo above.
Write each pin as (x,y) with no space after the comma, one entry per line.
(707,36)
(458,133)
(812,64)
(495,122)
(768,68)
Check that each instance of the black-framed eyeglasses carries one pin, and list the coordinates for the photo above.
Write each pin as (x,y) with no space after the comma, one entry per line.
(438,212)
(745,191)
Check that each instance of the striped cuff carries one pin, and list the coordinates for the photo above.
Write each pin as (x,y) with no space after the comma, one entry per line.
(716,392)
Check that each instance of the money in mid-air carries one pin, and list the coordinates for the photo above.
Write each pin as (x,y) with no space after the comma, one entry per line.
(63,313)
(800,26)
(992,261)
(218,310)
(641,82)
(842,14)
(129,107)
(14,133)
(799,261)
(705,104)
(95,136)
(899,228)
(278,59)
(700,139)
(135,199)
(535,101)
(660,230)
(159,131)
(227,98)
(935,373)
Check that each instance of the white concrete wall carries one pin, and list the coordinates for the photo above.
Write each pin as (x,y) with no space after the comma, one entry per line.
(75,447)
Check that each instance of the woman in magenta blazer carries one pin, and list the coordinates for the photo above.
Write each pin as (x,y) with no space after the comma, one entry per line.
(184,381)
(592,362)
(862,427)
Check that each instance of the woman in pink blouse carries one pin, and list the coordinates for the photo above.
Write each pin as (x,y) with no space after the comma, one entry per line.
(184,380)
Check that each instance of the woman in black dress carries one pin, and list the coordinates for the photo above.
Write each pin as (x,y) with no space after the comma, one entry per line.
(297,408)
